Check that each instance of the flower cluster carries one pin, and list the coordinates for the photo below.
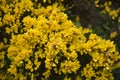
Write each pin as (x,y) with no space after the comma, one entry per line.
(107,8)
(40,42)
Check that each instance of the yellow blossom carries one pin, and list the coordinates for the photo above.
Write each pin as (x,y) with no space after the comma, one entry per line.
(37,64)
(67,78)
(107,8)
(113,14)
(77,18)
(12,69)
(44,1)
(88,72)
(8,19)
(96,3)
(119,19)
(113,35)
(46,74)
(28,22)
(69,66)
(29,66)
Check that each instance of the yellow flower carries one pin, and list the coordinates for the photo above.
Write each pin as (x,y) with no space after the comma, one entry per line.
(113,35)
(96,3)
(29,66)
(77,18)
(46,74)
(113,14)
(44,1)
(67,78)
(12,69)
(119,19)
(28,22)
(37,64)
(1,22)
(8,19)
(107,8)
(1,45)
(2,59)
(88,72)
(69,66)
(22,77)
(109,3)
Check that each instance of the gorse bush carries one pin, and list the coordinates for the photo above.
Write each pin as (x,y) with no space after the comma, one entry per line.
(40,42)
(101,16)
(111,9)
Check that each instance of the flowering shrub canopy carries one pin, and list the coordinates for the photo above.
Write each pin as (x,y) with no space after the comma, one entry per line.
(41,43)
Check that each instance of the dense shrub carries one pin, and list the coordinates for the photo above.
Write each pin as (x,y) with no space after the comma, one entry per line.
(38,41)
(101,16)
(111,9)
